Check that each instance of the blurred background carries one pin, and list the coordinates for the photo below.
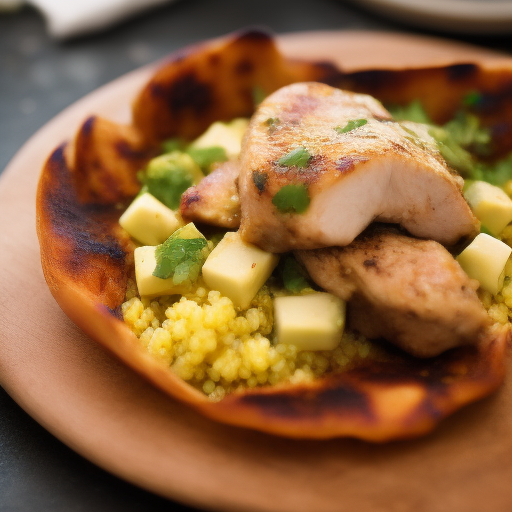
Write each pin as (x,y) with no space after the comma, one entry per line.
(54,52)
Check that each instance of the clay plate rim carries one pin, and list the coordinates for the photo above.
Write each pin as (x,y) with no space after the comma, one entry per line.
(87,399)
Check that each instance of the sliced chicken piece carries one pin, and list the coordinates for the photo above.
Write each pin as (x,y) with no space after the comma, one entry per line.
(215,199)
(380,170)
(411,292)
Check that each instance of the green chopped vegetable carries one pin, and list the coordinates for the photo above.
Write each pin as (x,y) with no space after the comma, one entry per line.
(351,125)
(181,256)
(466,131)
(298,157)
(260,180)
(495,174)
(272,121)
(144,188)
(483,229)
(295,278)
(454,154)
(205,157)
(455,139)
(292,198)
(168,176)
(170,145)
(471,99)
(414,112)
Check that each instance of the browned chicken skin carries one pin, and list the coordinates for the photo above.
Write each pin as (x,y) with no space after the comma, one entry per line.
(408,291)
(381,170)
(215,199)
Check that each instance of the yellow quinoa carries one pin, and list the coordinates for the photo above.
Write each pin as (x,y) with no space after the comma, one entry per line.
(499,306)
(219,349)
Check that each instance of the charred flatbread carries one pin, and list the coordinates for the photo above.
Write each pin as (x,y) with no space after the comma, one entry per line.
(88,259)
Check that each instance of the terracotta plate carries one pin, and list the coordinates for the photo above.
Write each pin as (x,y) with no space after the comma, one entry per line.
(114,418)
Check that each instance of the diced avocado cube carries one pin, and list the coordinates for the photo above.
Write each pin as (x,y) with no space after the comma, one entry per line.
(484,259)
(310,322)
(148,220)
(490,204)
(225,135)
(173,266)
(147,283)
(237,269)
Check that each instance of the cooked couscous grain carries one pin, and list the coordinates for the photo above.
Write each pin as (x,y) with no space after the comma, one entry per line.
(219,349)
(499,306)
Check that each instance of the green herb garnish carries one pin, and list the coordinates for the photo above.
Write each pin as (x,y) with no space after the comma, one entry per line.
(170,145)
(180,257)
(471,99)
(205,157)
(272,123)
(454,154)
(292,198)
(298,157)
(466,131)
(496,174)
(168,176)
(456,140)
(351,125)
(414,112)
(295,278)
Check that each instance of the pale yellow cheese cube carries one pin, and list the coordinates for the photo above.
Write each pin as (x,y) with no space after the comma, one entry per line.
(484,259)
(237,269)
(490,204)
(310,322)
(148,220)
(147,283)
(226,135)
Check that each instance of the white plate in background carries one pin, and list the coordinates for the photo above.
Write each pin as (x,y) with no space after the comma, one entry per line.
(462,16)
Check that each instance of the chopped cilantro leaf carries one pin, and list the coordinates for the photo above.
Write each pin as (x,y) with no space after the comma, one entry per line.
(272,121)
(295,278)
(168,176)
(180,258)
(205,157)
(454,154)
(471,99)
(414,111)
(298,157)
(496,174)
(483,229)
(292,198)
(143,190)
(170,145)
(466,131)
(351,125)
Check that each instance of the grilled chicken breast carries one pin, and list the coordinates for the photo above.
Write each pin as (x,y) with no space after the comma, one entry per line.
(360,166)
(408,291)
(215,199)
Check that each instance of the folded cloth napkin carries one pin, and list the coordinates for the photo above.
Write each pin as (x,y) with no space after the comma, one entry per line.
(68,18)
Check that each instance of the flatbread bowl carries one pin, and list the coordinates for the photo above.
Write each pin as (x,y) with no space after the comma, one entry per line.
(87,258)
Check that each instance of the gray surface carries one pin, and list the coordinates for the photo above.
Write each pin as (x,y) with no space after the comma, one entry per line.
(40,77)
